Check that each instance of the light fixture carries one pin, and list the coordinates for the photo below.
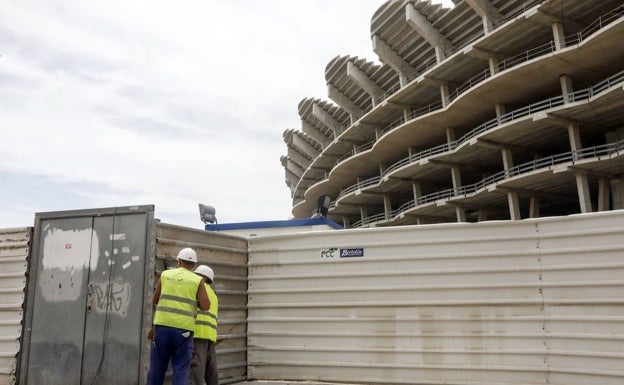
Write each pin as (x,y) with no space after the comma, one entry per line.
(207,214)
(322,206)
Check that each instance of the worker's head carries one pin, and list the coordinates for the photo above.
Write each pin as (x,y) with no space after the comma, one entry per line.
(187,257)
(206,272)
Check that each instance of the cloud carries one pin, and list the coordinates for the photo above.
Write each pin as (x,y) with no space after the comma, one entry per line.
(117,103)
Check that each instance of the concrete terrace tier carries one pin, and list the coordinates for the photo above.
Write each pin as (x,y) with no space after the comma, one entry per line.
(489,110)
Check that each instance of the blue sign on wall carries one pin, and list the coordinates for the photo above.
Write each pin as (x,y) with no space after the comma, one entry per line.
(349,253)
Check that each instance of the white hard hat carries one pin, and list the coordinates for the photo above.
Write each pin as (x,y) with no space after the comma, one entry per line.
(188,254)
(205,271)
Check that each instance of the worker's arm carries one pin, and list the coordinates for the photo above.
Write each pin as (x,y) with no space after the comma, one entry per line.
(156,295)
(202,296)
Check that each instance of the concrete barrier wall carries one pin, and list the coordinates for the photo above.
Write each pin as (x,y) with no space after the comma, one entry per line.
(532,301)
(14,252)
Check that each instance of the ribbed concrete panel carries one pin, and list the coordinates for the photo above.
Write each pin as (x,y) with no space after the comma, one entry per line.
(536,301)
(227,256)
(14,251)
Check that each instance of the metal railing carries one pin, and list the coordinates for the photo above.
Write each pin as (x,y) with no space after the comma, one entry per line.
(355,151)
(524,168)
(596,25)
(494,123)
(358,186)
(572,156)
(473,81)
(485,74)
(530,54)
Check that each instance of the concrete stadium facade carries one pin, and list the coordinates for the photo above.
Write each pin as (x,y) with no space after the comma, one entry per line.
(489,110)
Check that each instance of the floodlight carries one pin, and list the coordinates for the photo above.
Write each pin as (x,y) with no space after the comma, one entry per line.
(322,206)
(207,214)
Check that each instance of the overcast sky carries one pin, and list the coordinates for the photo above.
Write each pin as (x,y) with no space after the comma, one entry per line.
(171,103)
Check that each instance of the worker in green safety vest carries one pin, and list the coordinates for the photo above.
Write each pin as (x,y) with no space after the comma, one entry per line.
(204,367)
(178,294)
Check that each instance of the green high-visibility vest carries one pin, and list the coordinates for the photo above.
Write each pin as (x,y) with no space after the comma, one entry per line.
(177,305)
(206,322)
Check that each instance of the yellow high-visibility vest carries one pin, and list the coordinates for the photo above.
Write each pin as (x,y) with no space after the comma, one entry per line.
(206,322)
(177,305)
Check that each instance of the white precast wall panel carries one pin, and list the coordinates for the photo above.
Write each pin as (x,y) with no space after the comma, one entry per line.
(14,249)
(534,301)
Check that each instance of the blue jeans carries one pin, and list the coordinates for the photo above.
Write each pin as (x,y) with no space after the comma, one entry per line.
(170,344)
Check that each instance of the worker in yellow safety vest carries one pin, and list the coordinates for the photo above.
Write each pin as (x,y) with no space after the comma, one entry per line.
(178,294)
(205,361)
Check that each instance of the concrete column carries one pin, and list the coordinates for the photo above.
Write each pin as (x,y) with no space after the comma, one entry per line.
(302,146)
(450,135)
(291,179)
(315,134)
(389,56)
(444,94)
(534,207)
(406,114)
(574,135)
(387,206)
(417,191)
(346,223)
(482,215)
(507,158)
(512,196)
(603,195)
(493,62)
(325,117)
(514,206)
(427,31)
(363,212)
(558,35)
(296,157)
(456,177)
(566,87)
(368,85)
(344,102)
(617,193)
(582,185)
(294,168)
(501,110)
(457,183)
(460,213)
(489,14)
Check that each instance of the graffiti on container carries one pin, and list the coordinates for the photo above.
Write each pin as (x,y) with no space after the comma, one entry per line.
(115,301)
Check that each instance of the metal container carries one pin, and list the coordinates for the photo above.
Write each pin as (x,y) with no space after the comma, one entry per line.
(91,278)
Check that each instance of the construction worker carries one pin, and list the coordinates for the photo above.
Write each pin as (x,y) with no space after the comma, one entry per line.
(205,368)
(177,295)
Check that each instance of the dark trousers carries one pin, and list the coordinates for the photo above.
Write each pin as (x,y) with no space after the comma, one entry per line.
(170,344)
(206,370)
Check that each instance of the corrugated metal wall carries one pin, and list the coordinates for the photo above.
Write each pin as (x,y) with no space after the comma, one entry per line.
(533,301)
(14,251)
(227,256)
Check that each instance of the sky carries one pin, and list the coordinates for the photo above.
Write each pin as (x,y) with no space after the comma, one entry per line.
(171,103)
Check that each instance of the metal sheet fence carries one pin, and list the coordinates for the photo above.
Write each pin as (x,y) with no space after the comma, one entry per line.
(227,256)
(14,251)
(536,301)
